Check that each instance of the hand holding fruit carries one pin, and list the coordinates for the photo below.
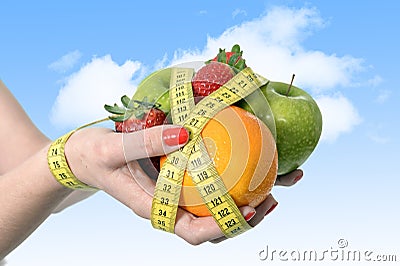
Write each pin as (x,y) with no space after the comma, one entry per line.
(249,185)
(291,115)
(118,173)
(115,170)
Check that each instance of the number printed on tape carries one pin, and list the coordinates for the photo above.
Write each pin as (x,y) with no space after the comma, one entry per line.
(194,157)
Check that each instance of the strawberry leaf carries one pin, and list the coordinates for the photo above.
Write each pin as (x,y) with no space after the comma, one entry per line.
(114,109)
(117,118)
(233,59)
(129,113)
(126,101)
(221,56)
(144,104)
(241,64)
(138,113)
(236,48)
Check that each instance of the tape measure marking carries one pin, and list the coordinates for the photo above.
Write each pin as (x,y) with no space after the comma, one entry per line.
(58,164)
(214,193)
(169,183)
(194,156)
(59,167)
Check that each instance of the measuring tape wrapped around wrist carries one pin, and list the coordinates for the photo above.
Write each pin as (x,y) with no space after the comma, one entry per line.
(58,164)
(194,158)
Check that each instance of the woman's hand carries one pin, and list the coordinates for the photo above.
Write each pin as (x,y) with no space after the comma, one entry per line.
(107,160)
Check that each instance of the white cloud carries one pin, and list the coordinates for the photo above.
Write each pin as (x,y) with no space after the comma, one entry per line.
(238,12)
(85,92)
(273,47)
(338,114)
(66,62)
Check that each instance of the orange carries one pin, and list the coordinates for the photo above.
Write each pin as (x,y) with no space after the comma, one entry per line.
(244,153)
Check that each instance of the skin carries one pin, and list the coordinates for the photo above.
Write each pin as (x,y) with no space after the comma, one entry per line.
(29,193)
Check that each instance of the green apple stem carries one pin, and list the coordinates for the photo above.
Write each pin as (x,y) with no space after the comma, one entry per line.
(290,85)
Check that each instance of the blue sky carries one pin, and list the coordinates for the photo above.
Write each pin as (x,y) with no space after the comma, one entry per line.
(64,60)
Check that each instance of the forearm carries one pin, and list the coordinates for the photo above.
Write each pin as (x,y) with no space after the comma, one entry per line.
(28,195)
(19,137)
(19,131)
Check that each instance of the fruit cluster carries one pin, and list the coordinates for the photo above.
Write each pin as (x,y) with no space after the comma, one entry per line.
(291,114)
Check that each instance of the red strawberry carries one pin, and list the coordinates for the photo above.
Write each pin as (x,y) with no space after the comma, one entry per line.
(218,71)
(211,77)
(153,117)
(135,116)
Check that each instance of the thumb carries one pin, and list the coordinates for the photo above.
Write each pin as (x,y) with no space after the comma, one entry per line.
(155,141)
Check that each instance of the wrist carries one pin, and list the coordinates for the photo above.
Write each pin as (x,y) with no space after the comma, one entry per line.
(60,166)
(55,185)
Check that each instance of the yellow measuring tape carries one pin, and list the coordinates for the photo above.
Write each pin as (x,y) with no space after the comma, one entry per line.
(58,164)
(194,158)
(59,167)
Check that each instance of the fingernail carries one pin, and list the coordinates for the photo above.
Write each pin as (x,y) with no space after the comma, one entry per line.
(297,179)
(249,215)
(175,136)
(271,209)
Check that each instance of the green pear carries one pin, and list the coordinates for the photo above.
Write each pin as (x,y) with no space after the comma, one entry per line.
(298,123)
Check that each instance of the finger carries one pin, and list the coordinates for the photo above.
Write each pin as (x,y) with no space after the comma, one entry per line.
(196,230)
(218,240)
(154,141)
(289,179)
(131,186)
(265,208)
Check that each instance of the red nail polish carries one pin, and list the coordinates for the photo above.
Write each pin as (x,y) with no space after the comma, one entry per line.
(249,216)
(271,209)
(175,136)
(183,136)
(297,179)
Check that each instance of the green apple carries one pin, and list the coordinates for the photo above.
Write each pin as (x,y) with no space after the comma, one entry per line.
(298,123)
(155,89)
(257,104)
